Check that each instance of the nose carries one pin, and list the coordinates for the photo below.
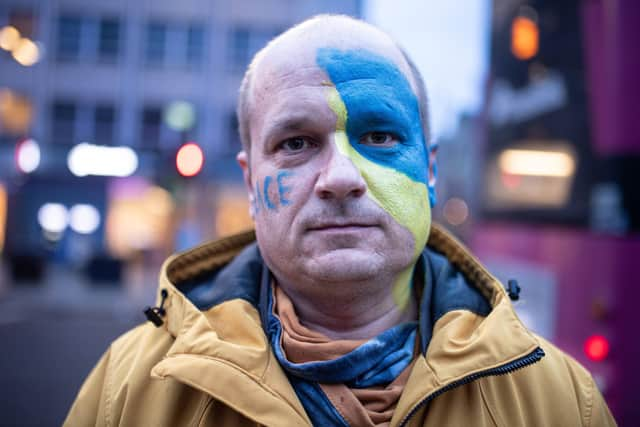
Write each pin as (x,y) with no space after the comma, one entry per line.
(339,177)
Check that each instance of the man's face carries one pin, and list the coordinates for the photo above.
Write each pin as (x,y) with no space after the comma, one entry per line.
(338,168)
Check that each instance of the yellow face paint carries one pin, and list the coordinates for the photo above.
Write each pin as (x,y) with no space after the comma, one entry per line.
(338,107)
(404,199)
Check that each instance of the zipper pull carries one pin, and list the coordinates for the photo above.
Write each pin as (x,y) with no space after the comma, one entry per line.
(154,314)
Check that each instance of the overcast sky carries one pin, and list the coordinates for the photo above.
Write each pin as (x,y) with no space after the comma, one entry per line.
(449,41)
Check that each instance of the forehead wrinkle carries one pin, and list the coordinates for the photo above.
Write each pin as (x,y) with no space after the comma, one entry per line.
(296,116)
(279,75)
(287,124)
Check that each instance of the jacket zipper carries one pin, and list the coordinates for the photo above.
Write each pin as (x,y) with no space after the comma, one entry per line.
(529,359)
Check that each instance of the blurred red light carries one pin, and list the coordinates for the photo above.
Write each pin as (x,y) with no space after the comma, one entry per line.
(596,347)
(189,159)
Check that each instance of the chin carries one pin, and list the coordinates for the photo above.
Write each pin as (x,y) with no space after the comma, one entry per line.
(345,265)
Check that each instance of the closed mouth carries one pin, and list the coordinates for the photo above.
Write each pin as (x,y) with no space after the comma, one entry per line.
(340,226)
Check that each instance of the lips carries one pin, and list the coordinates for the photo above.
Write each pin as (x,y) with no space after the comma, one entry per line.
(342,217)
(339,226)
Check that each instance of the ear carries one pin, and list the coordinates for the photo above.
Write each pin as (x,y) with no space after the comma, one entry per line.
(433,173)
(243,160)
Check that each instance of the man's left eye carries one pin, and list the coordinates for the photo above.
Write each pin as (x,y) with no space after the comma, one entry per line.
(379,139)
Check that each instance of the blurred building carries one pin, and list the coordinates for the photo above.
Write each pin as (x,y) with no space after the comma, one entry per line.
(560,210)
(80,80)
(459,162)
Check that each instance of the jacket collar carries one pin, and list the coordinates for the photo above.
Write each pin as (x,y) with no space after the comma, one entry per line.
(463,341)
(182,271)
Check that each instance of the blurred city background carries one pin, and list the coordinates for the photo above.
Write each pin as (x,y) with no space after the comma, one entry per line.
(118,142)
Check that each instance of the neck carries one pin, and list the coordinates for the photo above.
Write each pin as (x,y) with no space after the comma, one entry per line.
(344,311)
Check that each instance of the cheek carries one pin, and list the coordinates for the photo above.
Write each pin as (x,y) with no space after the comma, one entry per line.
(404,199)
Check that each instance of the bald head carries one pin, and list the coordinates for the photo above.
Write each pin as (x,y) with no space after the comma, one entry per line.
(296,49)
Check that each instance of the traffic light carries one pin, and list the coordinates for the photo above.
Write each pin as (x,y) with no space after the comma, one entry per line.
(596,347)
(524,37)
(189,159)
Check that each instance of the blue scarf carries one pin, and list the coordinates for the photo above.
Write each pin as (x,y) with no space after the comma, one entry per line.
(376,362)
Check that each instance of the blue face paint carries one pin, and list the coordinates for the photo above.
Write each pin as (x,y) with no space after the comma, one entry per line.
(267,201)
(370,94)
(434,170)
(262,198)
(378,98)
(282,188)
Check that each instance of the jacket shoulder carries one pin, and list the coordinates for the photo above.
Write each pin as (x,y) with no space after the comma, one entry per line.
(557,390)
(121,391)
(141,346)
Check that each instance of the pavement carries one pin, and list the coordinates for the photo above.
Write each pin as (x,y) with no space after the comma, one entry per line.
(52,333)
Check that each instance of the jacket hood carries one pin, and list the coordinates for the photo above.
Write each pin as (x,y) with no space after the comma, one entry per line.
(227,269)
(211,308)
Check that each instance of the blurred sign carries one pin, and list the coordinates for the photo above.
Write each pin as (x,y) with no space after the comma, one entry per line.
(531,174)
(537,94)
(509,105)
(139,217)
(607,210)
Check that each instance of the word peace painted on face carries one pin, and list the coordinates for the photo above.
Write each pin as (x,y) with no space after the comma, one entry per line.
(265,194)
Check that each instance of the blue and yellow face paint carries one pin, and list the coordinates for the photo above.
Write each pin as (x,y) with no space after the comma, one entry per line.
(368,93)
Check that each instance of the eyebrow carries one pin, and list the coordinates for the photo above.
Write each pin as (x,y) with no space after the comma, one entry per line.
(289,123)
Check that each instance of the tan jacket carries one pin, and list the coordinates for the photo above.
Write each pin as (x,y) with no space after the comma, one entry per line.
(216,367)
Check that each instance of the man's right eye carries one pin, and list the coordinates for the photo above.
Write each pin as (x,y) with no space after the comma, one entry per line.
(294,145)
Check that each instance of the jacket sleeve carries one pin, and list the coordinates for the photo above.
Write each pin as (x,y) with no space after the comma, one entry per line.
(89,406)
(598,414)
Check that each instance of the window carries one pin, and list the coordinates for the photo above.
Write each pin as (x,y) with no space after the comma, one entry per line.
(63,118)
(232,141)
(69,35)
(88,38)
(239,49)
(195,44)
(156,43)
(158,126)
(109,39)
(104,124)
(245,42)
(24,21)
(169,44)
(151,126)
(72,122)
(16,113)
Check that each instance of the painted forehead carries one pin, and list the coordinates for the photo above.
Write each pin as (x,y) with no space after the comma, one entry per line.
(378,97)
(352,64)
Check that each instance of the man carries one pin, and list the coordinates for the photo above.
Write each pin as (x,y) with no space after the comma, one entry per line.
(339,315)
